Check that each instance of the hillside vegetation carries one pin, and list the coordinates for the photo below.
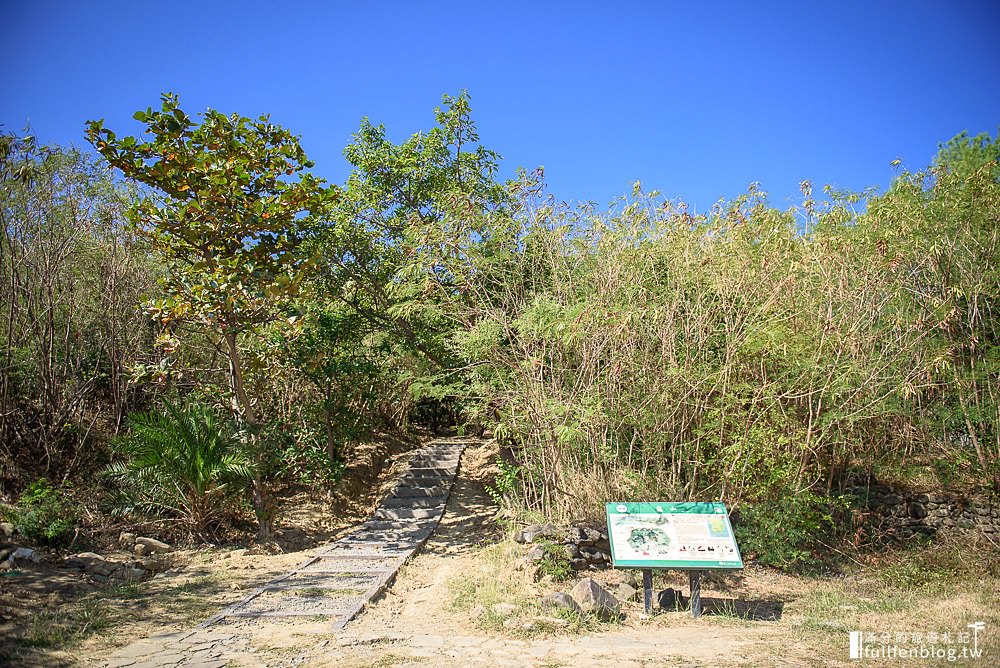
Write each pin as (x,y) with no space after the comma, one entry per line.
(211,311)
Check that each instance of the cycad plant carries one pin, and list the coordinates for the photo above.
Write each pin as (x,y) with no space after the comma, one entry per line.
(183,462)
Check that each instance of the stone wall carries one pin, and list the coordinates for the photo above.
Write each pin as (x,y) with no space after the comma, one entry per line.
(905,514)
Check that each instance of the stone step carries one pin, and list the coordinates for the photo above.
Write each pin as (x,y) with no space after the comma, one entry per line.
(408,513)
(428,472)
(412,502)
(424,481)
(418,492)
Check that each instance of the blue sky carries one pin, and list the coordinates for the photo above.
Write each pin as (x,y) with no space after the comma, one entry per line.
(696,99)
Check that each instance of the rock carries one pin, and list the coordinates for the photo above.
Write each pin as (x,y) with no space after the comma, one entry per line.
(571,551)
(142,550)
(504,609)
(966,524)
(592,597)
(5,553)
(101,579)
(130,574)
(580,564)
(127,539)
(95,564)
(536,553)
(923,498)
(559,600)
(538,532)
(626,592)
(593,556)
(7,529)
(155,546)
(671,599)
(917,511)
(154,563)
(25,555)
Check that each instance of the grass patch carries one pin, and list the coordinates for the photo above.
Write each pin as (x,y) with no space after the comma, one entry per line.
(478,591)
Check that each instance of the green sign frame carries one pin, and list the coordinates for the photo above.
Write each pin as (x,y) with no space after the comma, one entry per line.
(672,535)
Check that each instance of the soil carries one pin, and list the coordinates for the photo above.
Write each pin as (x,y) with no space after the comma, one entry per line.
(757,617)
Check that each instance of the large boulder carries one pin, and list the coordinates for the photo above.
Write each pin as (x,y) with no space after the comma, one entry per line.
(593,598)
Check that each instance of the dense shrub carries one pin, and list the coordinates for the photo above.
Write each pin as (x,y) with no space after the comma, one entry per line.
(185,462)
(45,514)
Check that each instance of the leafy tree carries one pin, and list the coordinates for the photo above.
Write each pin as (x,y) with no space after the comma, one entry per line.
(71,277)
(408,213)
(231,202)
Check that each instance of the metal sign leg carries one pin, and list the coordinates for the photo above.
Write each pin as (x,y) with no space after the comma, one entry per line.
(694,577)
(647,589)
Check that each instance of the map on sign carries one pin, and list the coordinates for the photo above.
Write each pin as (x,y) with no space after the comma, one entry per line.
(672,535)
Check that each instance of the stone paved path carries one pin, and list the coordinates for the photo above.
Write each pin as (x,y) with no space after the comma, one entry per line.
(334,584)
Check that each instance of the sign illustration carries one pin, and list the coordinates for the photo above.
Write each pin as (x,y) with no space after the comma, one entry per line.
(672,535)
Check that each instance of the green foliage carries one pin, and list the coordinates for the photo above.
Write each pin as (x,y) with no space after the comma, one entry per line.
(554,562)
(505,485)
(72,274)
(184,462)
(45,514)
(788,533)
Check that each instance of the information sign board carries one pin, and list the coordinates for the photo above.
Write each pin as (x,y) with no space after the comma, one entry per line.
(672,535)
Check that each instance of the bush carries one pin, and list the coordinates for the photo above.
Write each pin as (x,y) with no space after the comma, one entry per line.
(788,533)
(45,515)
(184,462)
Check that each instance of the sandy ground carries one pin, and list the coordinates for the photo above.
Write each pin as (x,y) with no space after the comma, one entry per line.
(420,620)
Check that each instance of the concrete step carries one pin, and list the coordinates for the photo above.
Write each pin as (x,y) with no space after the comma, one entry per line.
(408,513)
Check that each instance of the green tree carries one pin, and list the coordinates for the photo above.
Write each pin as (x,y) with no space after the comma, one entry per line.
(231,202)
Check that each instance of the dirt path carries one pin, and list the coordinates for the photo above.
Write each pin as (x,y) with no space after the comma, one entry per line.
(434,614)
(415,624)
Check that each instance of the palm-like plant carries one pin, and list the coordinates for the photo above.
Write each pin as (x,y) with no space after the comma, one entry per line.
(183,462)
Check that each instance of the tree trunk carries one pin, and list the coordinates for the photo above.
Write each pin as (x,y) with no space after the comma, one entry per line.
(263,504)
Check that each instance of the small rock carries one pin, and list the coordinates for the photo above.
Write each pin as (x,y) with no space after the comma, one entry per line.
(142,550)
(131,574)
(671,599)
(917,511)
(24,555)
(7,529)
(592,597)
(153,563)
(95,563)
(504,609)
(558,599)
(571,551)
(578,564)
(538,532)
(127,539)
(536,553)
(5,553)
(155,546)
(626,592)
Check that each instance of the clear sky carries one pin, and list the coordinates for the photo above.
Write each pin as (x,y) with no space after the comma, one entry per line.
(696,99)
